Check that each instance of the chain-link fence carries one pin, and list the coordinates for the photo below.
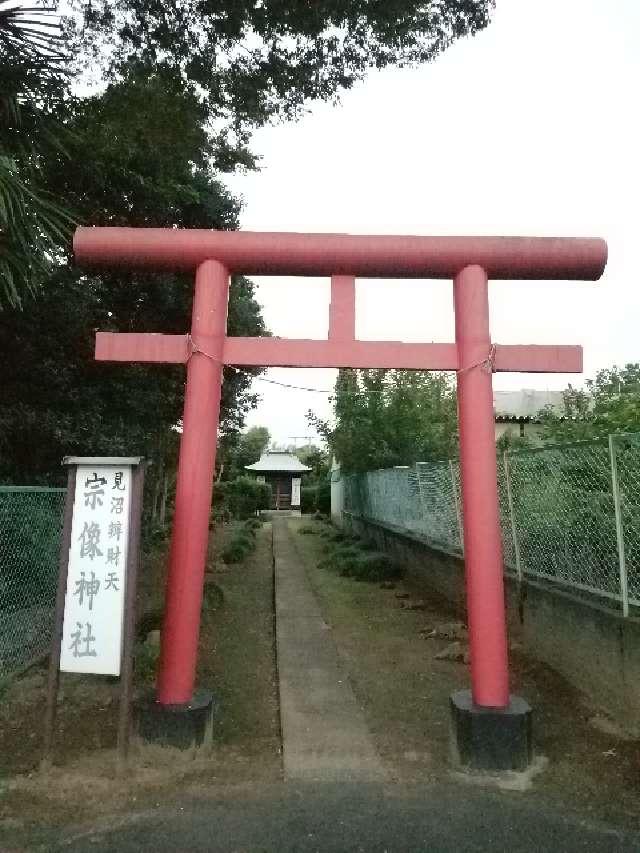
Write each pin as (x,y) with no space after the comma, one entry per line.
(30,527)
(570,514)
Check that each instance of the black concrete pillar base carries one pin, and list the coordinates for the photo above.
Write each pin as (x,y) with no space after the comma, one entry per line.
(181,726)
(490,739)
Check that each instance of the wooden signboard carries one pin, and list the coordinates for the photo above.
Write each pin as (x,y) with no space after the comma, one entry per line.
(94,630)
(295,491)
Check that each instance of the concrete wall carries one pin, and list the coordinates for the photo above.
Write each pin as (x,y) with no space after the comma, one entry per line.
(594,648)
(532,431)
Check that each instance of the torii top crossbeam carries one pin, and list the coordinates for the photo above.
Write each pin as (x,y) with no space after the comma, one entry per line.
(382,256)
(343,257)
(469,261)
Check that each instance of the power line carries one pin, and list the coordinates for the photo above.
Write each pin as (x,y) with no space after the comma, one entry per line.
(359,393)
(488,362)
(281,384)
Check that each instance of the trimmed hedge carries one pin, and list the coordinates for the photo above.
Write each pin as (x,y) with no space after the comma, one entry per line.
(351,557)
(242,542)
(240,498)
(316,498)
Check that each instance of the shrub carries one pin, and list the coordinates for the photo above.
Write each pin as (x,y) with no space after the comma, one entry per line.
(241,498)
(340,557)
(234,552)
(308,529)
(245,538)
(374,566)
(316,498)
(308,499)
(323,498)
(241,543)
(350,560)
(346,559)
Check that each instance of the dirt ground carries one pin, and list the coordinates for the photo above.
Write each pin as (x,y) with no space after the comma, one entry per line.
(394,672)
(236,661)
(404,691)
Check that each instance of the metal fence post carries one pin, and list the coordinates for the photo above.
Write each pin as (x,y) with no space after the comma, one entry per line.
(456,501)
(615,488)
(512,517)
(423,516)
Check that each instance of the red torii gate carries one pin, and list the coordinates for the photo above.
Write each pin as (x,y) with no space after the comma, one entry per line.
(214,255)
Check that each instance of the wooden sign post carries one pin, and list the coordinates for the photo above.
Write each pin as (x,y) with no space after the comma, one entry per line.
(94,626)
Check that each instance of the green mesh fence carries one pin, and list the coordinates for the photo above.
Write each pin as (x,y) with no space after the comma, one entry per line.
(30,527)
(626,455)
(570,514)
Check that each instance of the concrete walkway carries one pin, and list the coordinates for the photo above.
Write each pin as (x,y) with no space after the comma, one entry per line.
(324,734)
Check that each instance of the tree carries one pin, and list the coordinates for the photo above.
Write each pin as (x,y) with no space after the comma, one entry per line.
(609,404)
(386,418)
(126,164)
(255,61)
(185,85)
(315,458)
(243,449)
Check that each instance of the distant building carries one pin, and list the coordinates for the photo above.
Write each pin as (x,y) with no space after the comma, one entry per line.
(518,412)
(283,472)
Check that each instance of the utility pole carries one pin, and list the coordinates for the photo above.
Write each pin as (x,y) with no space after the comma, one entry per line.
(306,438)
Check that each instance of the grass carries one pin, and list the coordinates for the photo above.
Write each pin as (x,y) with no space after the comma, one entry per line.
(236,660)
(146,662)
(5,681)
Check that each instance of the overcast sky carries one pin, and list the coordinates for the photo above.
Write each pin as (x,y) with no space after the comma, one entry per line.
(530,128)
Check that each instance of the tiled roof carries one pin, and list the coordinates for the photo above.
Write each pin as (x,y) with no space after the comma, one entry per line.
(277,460)
(525,403)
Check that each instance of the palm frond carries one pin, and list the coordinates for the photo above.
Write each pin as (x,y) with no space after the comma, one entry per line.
(34,229)
(32,32)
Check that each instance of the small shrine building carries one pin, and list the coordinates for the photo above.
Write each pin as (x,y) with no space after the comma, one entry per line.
(283,472)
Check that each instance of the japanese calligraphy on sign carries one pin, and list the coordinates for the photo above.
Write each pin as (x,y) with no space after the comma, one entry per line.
(94,602)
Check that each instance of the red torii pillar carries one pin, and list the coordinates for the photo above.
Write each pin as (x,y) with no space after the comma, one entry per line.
(470,262)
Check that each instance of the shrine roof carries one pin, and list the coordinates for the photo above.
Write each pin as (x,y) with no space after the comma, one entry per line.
(278,460)
(526,403)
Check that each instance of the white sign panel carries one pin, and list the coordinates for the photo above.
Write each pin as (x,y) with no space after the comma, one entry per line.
(94,602)
(295,491)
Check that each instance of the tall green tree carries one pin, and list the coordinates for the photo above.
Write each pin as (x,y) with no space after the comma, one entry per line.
(390,417)
(185,85)
(609,403)
(259,59)
(124,164)
(317,459)
(242,449)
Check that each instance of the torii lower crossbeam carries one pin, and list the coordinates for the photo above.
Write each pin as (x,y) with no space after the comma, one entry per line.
(469,261)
